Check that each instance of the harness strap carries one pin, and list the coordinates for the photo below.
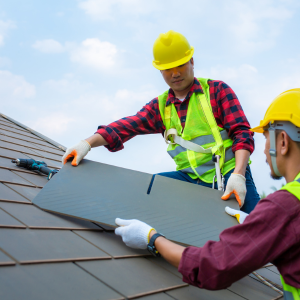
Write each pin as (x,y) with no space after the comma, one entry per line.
(272,150)
(183,143)
(206,107)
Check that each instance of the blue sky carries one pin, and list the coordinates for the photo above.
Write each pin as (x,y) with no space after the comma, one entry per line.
(68,66)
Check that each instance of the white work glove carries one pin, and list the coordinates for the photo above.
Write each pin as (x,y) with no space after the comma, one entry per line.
(236,185)
(134,233)
(78,151)
(240,215)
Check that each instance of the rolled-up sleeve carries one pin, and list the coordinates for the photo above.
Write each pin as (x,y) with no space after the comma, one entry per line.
(229,115)
(266,233)
(146,121)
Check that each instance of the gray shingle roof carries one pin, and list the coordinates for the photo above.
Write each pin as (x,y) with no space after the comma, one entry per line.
(49,256)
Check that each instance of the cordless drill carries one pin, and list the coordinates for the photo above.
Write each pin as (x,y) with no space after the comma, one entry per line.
(35,165)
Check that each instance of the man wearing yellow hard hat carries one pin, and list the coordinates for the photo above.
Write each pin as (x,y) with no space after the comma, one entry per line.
(270,233)
(202,121)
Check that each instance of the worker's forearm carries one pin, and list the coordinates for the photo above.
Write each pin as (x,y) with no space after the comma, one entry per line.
(170,251)
(96,140)
(241,161)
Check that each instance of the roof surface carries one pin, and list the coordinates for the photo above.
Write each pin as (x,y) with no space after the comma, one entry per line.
(49,256)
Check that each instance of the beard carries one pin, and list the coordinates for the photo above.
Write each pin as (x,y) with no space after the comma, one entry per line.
(273,176)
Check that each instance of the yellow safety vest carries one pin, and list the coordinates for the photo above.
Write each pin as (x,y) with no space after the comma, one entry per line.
(290,292)
(201,129)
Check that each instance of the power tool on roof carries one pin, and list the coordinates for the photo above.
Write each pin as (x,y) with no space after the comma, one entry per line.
(35,165)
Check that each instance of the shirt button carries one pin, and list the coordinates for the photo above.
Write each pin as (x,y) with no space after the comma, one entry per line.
(183,119)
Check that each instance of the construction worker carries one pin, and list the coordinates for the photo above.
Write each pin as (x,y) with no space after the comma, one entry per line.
(200,118)
(270,233)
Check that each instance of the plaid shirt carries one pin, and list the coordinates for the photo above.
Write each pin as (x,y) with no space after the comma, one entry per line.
(225,105)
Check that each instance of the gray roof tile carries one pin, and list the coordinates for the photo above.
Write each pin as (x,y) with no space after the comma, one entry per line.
(132,277)
(111,244)
(30,145)
(159,296)
(27,192)
(52,281)
(35,218)
(32,246)
(20,136)
(11,154)
(265,272)
(4,261)
(9,176)
(19,132)
(7,221)
(35,179)
(251,289)
(8,194)
(192,293)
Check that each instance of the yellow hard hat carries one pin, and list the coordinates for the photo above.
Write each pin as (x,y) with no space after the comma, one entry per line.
(285,107)
(171,50)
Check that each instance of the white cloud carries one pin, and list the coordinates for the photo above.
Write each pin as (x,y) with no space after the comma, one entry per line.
(60,14)
(244,73)
(94,53)
(14,87)
(54,124)
(5,26)
(255,26)
(105,10)
(48,46)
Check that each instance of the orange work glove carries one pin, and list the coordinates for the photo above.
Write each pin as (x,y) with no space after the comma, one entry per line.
(78,152)
(236,185)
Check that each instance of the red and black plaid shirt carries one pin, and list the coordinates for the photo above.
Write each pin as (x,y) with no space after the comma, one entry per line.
(225,105)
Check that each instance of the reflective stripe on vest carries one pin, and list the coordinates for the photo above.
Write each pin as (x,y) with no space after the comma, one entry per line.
(200,140)
(290,292)
(200,129)
(210,164)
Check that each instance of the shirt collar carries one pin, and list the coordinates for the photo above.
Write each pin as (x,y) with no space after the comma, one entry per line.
(196,88)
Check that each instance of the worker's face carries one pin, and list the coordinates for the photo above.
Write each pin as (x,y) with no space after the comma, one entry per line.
(268,156)
(181,77)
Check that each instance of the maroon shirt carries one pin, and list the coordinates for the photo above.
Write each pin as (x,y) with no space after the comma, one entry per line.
(225,105)
(271,233)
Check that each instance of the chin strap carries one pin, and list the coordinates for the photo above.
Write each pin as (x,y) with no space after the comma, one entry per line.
(272,151)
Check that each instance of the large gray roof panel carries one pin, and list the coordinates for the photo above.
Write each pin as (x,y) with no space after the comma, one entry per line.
(100,193)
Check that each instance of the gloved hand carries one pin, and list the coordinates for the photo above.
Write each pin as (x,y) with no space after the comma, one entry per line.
(236,185)
(240,215)
(78,151)
(134,233)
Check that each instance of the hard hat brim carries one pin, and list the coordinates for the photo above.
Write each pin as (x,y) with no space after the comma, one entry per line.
(258,129)
(174,64)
